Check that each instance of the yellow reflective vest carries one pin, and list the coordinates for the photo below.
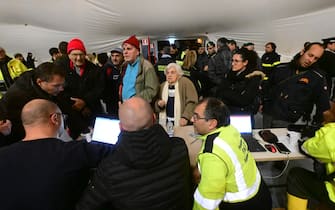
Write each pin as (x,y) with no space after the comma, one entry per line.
(322,147)
(15,69)
(228,170)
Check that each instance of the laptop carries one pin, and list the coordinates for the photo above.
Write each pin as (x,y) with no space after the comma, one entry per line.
(243,124)
(106,130)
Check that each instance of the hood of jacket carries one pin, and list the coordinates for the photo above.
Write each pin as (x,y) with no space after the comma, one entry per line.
(145,148)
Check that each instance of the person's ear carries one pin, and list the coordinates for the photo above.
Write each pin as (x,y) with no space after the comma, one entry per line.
(329,115)
(245,63)
(154,118)
(212,124)
(39,81)
(54,118)
(121,127)
(302,51)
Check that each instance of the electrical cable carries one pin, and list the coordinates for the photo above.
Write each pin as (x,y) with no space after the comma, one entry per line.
(282,172)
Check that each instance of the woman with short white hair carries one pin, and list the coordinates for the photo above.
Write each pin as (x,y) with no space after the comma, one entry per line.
(177,98)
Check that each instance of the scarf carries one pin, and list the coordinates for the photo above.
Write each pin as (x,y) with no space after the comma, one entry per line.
(81,68)
(177,106)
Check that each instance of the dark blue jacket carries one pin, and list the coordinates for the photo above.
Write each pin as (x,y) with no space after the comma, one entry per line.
(295,90)
(46,173)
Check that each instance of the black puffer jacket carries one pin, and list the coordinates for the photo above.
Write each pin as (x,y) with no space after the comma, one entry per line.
(239,93)
(148,170)
(219,64)
(87,87)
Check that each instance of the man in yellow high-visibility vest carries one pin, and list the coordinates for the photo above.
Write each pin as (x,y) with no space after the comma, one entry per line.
(304,185)
(229,175)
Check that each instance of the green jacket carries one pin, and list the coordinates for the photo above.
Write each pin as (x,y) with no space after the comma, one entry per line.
(228,170)
(147,84)
(322,147)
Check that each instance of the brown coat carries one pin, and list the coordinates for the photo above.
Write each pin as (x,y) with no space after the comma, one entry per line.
(188,97)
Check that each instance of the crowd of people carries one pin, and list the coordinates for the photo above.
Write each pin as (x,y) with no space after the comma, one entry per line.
(44,107)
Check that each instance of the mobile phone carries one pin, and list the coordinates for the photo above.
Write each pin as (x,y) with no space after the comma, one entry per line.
(268,136)
(282,148)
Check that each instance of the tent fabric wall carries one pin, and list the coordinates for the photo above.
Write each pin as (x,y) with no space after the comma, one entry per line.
(288,33)
(35,26)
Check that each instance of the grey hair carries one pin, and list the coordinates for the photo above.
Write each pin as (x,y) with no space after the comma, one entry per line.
(176,66)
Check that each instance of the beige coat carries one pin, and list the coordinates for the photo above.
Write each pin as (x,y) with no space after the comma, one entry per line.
(188,98)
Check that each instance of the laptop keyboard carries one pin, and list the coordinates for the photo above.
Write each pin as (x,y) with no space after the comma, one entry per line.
(253,144)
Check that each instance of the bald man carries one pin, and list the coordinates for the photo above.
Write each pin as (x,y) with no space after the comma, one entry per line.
(42,172)
(148,170)
(135,115)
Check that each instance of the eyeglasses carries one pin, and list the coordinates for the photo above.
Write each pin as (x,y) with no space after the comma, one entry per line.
(64,116)
(196,117)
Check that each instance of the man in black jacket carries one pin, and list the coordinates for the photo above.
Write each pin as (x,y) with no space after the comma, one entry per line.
(218,65)
(83,82)
(296,87)
(270,59)
(111,71)
(45,82)
(162,63)
(327,63)
(211,49)
(148,170)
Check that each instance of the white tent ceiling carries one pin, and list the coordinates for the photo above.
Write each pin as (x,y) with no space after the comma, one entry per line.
(37,25)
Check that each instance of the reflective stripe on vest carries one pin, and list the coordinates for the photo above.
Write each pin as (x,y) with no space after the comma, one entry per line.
(161,67)
(187,73)
(180,63)
(276,63)
(205,202)
(266,64)
(271,64)
(244,192)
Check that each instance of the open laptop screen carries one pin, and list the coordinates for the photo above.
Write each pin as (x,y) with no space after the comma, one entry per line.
(106,130)
(242,123)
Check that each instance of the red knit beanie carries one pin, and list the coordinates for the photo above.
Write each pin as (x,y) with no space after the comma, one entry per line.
(76,44)
(133,41)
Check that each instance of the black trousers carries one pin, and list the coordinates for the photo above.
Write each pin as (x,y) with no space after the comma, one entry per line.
(261,201)
(305,184)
